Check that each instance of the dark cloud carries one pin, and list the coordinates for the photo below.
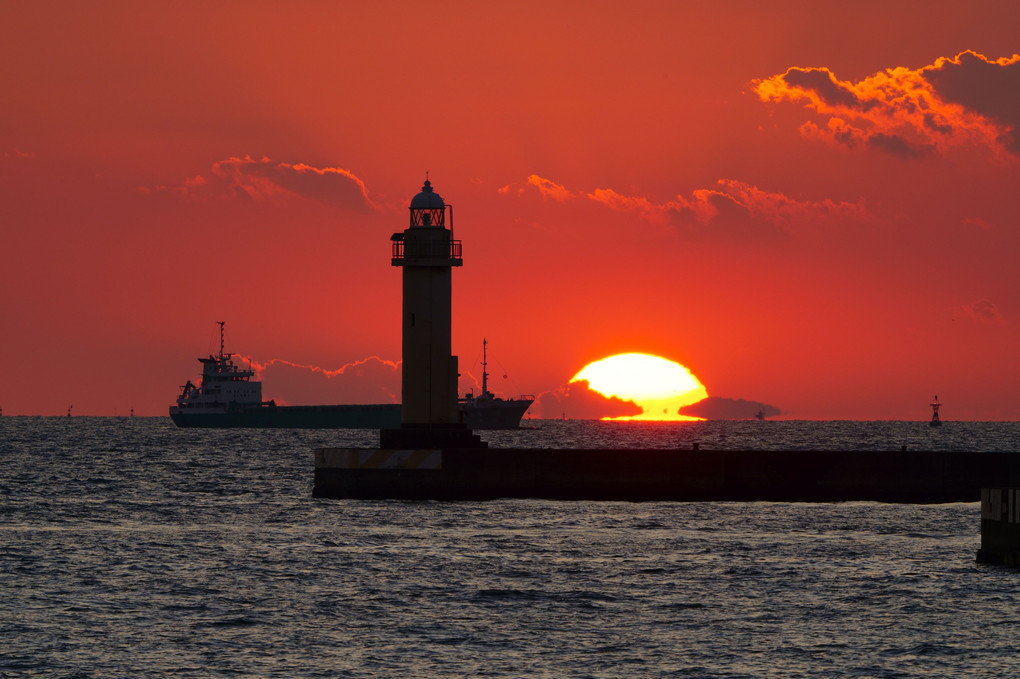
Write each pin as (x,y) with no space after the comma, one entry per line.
(265,179)
(899,145)
(824,83)
(937,123)
(576,401)
(718,408)
(328,185)
(967,100)
(990,88)
(728,219)
(982,312)
(842,133)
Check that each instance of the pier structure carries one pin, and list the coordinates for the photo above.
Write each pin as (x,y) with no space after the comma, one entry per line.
(433,456)
(900,476)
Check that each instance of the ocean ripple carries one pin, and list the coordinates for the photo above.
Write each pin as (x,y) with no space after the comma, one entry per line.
(131,548)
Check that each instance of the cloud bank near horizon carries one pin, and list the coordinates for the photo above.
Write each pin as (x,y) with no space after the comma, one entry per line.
(368,380)
(719,408)
(577,401)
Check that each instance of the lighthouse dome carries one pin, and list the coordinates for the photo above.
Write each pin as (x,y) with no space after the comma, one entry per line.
(427,199)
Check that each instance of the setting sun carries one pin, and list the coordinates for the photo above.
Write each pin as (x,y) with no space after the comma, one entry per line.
(660,386)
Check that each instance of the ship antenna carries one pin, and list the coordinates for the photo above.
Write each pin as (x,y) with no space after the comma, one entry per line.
(222,323)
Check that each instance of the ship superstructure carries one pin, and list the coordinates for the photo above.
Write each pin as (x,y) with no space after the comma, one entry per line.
(488,411)
(223,386)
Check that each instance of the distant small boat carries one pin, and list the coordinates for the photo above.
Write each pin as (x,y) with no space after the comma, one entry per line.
(760,415)
(935,405)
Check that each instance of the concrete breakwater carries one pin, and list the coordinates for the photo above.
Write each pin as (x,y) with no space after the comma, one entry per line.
(657,475)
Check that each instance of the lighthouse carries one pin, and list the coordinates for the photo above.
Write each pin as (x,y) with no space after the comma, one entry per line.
(427,253)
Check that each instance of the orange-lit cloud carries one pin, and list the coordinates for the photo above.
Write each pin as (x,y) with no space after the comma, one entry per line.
(967,100)
(266,179)
(732,206)
(546,187)
(731,209)
(369,380)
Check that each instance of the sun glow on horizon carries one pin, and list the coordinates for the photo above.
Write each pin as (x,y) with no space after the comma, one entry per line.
(658,385)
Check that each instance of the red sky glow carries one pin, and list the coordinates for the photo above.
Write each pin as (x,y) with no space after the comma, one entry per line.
(810,206)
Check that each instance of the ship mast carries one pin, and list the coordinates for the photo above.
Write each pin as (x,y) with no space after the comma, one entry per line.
(221,323)
(485,374)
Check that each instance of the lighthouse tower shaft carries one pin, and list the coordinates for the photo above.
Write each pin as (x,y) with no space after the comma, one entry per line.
(429,376)
(427,253)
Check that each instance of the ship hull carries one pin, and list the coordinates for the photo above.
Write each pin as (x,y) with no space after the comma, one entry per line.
(371,416)
(502,415)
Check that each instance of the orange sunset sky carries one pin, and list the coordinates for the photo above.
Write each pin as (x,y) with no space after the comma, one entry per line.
(810,205)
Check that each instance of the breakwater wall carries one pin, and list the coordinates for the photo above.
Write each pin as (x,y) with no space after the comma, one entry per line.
(656,475)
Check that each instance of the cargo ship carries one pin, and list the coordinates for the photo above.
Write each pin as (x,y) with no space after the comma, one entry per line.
(229,396)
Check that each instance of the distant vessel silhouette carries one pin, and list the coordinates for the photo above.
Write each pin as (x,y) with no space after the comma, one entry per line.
(488,411)
(228,396)
(935,405)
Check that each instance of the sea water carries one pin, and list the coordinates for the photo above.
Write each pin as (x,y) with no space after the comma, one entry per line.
(131,548)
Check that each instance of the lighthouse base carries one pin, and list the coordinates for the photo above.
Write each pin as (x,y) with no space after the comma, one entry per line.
(416,436)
